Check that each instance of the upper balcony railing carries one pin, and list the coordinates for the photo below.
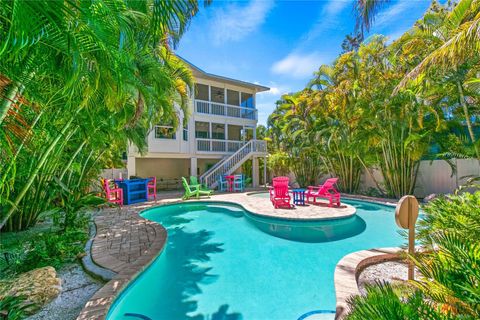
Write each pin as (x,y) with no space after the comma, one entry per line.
(226,110)
(218,146)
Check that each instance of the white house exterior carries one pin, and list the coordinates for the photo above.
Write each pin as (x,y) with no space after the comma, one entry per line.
(222,119)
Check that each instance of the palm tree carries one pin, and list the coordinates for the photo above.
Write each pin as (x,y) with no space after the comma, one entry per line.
(366,11)
(73,72)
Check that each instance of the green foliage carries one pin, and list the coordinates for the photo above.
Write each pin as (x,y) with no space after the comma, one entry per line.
(382,302)
(14,308)
(279,163)
(51,247)
(453,273)
(449,284)
(85,79)
(454,214)
(385,106)
(450,229)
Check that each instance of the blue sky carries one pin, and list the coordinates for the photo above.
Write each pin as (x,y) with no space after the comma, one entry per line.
(280,44)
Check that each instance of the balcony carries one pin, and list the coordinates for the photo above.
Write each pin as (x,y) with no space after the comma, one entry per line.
(218,146)
(226,110)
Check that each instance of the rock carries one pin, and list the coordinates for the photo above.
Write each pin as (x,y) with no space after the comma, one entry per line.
(77,289)
(38,286)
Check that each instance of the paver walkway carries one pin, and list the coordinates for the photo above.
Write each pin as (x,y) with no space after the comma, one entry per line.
(126,244)
(122,237)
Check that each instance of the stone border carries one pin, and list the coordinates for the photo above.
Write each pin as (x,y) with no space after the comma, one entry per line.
(383,201)
(89,265)
(348,269)
(98,306)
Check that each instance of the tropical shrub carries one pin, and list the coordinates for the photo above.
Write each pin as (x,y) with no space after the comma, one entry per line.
(14,308)
(49,248)
(85,79)
(456,214)
(449,283)
(383,302)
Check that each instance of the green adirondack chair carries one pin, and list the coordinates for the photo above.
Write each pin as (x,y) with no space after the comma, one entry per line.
(193,190)
(194,182)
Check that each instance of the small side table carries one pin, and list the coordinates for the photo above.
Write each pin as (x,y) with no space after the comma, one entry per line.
(299,196)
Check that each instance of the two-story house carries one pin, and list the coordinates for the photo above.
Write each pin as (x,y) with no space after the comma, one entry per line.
(219,137)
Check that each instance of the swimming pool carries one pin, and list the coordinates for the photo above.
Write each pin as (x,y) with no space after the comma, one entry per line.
(221,262)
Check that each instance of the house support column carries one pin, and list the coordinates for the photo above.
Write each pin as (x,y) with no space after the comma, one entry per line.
(265,171)
(255,173)
(193,167)
(131,167)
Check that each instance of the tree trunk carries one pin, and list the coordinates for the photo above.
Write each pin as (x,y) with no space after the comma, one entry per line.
(467,119)
(32,177)
(9,100)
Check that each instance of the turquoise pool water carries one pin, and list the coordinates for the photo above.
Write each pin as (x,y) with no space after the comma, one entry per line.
(221,262)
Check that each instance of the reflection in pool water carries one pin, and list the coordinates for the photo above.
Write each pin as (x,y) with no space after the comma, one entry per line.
(221,262)
(310,231)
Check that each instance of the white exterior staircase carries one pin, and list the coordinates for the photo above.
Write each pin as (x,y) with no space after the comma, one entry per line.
(253,148)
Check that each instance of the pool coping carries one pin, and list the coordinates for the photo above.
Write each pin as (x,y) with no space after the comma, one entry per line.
(99,305)
(349,268)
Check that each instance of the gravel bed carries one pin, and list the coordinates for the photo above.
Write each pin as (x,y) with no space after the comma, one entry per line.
(392,271)
(77,288)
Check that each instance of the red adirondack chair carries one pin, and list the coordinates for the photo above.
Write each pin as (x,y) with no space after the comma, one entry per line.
(326,190)
(279,193)
(152,187)
(114,195)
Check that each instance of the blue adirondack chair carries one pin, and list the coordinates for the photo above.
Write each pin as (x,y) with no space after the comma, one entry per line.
(222,183)
(239,183)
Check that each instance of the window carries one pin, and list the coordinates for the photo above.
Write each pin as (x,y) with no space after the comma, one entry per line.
(247,100)
(165,132)
(217,94)
(218,131)
(202,130)
(233,98)
(185,133)
(201,92)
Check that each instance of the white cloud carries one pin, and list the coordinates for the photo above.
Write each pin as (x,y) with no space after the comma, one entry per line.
(275,90)
(298,65)
(236,22)
(327,19)
(336,6)
(393,13)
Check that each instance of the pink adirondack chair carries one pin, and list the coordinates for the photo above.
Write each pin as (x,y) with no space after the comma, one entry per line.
(152,187)
(114,195)
(279,193)
(326,190)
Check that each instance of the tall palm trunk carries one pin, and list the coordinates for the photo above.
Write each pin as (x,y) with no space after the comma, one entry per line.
(467,119)
(35,172)
(9,100)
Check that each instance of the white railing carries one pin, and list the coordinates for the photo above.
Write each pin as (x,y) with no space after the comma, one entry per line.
(218,146)
(234,161)
(221,109)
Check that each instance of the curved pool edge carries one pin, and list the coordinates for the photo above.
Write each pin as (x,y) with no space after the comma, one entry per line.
(299,213)
(100,303)
(349,268)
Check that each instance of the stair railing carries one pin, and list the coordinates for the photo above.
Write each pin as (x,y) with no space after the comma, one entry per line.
(232,162)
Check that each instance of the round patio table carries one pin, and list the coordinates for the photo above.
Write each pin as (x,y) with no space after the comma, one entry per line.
(299,196)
